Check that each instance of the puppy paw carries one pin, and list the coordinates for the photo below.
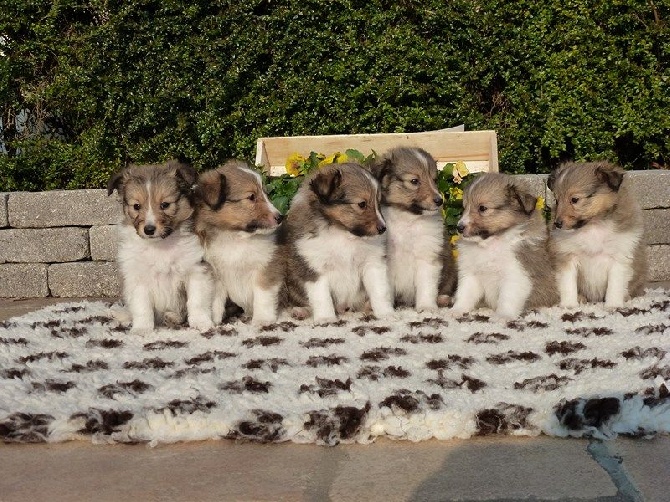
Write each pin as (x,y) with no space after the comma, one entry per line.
(430,307)
(457,311)
(569,304)
(121,314)
(504,317)
(201,322)
(385,312)
(141,328)
(614,304)
(173,319)
(263,320)
(444,301)
(300,313)
(323,319)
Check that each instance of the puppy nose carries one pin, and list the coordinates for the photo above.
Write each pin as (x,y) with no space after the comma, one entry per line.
(381,229)
(149,229)
(279,218)
(460,227)
(558,223)
(437,200)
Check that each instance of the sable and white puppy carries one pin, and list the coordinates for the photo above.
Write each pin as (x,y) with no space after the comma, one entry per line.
(165,279)
(597,240)
(503,253)
(333,243)
(421,266)
(236,222)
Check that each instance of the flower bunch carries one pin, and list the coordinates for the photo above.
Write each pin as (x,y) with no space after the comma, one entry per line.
(281,189)
(451,182)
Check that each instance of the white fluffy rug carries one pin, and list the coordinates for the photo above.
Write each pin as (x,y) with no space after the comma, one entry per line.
(73,372)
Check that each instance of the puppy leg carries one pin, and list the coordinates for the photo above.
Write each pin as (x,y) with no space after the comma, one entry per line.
(376,284)
(468,294)
(265,305)
(140,304)
(617,284)
(514,292)
(427,278)
(566,278)
(199,298)
(219,301)
(320,299)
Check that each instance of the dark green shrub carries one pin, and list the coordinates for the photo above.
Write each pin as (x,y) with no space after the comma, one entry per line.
(112,82)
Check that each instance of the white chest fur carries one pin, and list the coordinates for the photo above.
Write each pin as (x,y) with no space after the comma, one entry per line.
(593,251)
(239,260)
(598,241)
(341,259)
(413,241)
(491,269)
(156,259)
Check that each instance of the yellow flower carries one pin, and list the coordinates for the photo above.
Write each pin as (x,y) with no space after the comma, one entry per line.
(455,193)
(293,164)
(460,172)
(336,158)
(454,251)
(539,205)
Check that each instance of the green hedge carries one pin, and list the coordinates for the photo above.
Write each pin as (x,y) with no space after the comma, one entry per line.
(109,82)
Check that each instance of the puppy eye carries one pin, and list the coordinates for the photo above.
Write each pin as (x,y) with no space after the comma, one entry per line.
(363,205)
(414,181)
(137,207)
(574,200)
(483,208)
(165,205)
(252,197)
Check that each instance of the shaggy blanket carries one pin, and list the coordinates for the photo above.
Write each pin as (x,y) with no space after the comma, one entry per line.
(72,371)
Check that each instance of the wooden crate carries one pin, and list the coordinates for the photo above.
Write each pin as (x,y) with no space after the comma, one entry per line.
(478,149)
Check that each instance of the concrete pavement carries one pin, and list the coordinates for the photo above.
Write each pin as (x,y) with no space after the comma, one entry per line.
(501,468)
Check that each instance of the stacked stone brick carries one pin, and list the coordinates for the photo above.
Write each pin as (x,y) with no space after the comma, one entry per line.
(58,243)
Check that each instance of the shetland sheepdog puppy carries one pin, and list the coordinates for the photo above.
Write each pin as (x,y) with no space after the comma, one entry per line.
(421,266)
(503,252)
(597,236)
(236,222)
(165,278)
(334,244)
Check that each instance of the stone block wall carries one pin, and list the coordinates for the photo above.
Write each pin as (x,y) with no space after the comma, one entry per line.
(63,243)
(60,243)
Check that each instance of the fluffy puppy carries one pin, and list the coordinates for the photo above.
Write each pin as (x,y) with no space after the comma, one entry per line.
(164,276)
(596,238)
(333,243)
(421,266)
(236,222)
(503,253)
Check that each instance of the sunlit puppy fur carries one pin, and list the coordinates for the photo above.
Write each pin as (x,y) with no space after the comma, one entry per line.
(597,236)
(165,279)
(334,244)
(237,224)
(421,266)
(503,252)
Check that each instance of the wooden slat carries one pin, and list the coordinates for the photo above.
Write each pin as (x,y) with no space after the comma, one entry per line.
(478,149)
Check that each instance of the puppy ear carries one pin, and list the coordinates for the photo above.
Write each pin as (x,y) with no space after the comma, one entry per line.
(325,183)
(611,175)
(212,189)
(551,181)
(381,168)
(115,182)
(526,201)
(184,172)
